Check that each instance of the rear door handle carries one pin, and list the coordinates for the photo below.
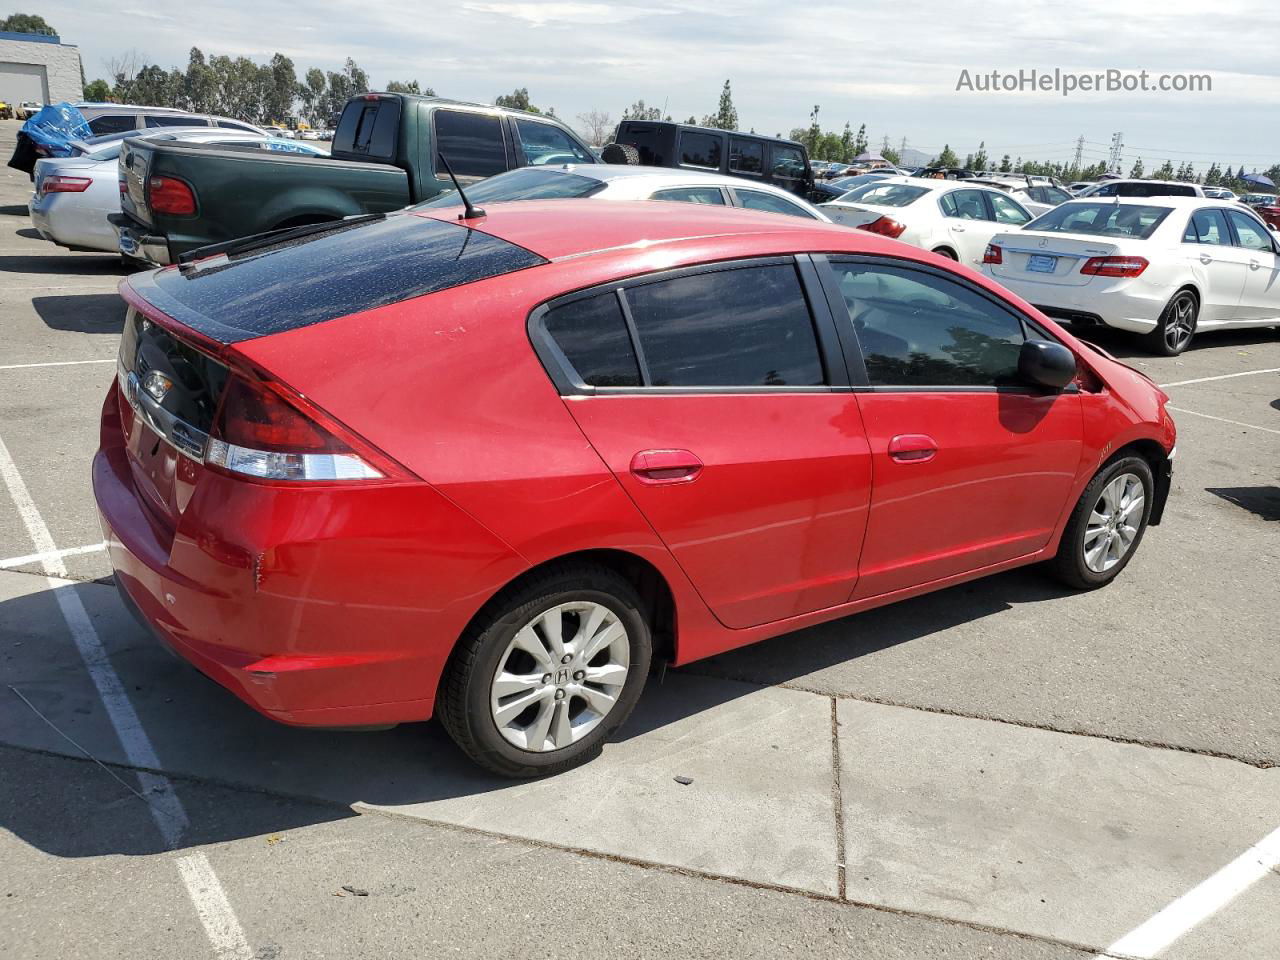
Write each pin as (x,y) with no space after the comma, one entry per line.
(1254,264)
(957,228)
(913,448)
(1205,258)
(665,466)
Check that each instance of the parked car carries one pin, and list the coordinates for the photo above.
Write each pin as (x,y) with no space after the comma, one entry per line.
(105,118)
(1258,199)
(603,181)
(276,130)
(73,196)
(1165,268)
(6,111)
(783,163)
(948,217)
(385,155)
(1036,198)
(28,109)
(1143,188)
(1076,188)
(1219,193)
(1268,208)
(492,469)
(824,190)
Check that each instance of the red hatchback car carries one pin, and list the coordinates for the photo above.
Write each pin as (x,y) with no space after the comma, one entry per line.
(490,468)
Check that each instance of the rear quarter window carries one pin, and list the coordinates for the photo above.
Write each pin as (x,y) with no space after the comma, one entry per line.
(471,142)
(592,335)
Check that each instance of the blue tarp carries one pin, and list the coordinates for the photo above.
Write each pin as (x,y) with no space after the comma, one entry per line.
(55,126)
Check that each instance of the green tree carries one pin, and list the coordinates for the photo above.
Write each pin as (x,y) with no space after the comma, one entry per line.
(980,159)
(517,100)
(398,86)
(892,155)
(1213,176)
(726,116)
(947,158)
(27,23)
(811,136)
(860,142)
(311,92)
(99,91)
(638,111)
(1005,164)
(1165,172)
(1136,171)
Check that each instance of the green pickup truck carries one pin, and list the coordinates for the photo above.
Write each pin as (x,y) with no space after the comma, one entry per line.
(177,196)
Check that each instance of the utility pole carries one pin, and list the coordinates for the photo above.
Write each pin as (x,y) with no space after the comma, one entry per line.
(1079,152)
(1117,150)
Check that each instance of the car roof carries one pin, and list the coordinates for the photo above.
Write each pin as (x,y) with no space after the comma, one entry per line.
(565,228)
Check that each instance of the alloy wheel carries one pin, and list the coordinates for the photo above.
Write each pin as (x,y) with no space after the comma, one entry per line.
(1113,524)
(560,676)
(1181,323)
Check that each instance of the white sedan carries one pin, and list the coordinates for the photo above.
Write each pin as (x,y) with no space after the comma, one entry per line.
(1162,267)
(607,181)
(73,195)
(948,217)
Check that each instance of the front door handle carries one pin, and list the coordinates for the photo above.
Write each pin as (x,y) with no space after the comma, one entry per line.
(665,466)
(1205,258)
(1254,265)
(913,448)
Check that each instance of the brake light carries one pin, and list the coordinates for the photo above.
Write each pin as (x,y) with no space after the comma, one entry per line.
(885,227)
(124,187)
(994,254)
(60,184)
(170,195)
(263,432)
(1114,266)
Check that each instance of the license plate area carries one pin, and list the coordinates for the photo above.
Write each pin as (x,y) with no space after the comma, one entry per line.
(1042,263)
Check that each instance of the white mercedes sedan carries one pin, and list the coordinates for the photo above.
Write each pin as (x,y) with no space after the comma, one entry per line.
(949,217)
(1161,267)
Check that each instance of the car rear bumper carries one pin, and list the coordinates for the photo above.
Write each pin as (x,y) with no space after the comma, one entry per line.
(1135,308)
(136,242)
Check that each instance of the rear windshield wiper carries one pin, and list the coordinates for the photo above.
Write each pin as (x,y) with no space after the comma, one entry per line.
(270,238)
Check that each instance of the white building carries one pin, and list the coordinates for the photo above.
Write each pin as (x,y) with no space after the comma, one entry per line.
(40,68)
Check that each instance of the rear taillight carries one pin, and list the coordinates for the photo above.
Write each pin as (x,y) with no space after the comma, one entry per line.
(170,195)
(60,184)
(1114,266)
(262,432)
(885,227)
(994,254)
(124,187)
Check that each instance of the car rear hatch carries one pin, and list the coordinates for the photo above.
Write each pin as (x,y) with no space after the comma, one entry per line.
(180,373)
(1050,258)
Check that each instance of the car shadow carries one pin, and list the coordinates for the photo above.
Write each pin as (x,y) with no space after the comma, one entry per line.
(29,233)
(82,313)
(1124,346)
(207,740)
(1262,502)
(14,210)
(67,265)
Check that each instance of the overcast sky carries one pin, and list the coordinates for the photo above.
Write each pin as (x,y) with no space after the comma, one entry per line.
(890,64)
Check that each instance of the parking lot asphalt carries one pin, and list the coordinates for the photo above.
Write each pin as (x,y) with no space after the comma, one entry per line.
(1003,769)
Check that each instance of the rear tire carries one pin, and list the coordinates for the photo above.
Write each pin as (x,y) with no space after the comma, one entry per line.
(523,702)
(1176,327)
(1106,525)
(948,253)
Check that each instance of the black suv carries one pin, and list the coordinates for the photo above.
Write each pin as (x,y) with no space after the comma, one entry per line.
(783,163)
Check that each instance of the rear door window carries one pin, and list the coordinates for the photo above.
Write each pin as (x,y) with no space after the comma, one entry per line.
(471,142)
(745,327)
(700,150)
(1207,226)
(1007,210)
(592,335)
(113,123)
(544,143)
(712,195)
(746,156)
(965,205)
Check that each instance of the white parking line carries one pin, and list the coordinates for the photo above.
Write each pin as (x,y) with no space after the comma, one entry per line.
(1199,903)
(53,363)
(220,923)
(41,557)
(214,909)
(1238,423)
(1225,376)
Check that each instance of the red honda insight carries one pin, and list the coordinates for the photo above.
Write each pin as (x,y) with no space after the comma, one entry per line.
(491,468)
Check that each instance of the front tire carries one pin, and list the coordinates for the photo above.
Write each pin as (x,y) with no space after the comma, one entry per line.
(1177,325)
(1106,525)
(546,675)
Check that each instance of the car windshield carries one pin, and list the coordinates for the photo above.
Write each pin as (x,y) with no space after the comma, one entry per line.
(885,194)
(525,184)
(1103,219)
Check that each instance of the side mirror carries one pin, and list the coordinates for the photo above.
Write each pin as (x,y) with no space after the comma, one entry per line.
(1045,364)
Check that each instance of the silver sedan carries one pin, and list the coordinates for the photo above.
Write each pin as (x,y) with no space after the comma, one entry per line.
(73,195)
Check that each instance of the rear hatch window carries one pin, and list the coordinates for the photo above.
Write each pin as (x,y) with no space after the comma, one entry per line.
(367,130)
(323,276)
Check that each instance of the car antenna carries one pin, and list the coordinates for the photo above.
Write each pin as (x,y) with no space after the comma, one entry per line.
(468,211)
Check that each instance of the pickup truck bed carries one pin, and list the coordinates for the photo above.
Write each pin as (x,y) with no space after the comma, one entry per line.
(240,191)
